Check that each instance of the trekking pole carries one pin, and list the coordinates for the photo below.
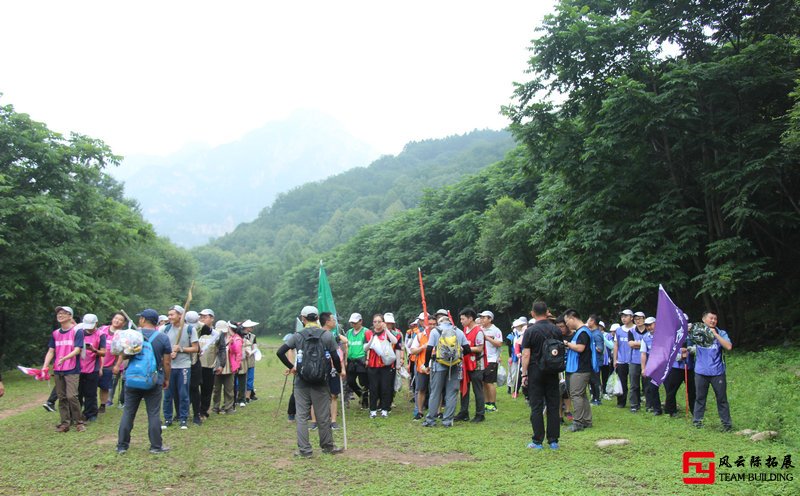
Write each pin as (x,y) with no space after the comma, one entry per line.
(344,415)
(516,381)
(280,400)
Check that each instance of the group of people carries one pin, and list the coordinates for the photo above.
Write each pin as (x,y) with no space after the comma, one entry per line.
(193,362)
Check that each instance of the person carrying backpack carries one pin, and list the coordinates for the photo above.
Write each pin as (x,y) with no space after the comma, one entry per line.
(316,349)
(542,359)
(446,348)
(147,375)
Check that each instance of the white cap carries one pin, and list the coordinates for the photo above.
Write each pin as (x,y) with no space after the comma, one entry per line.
(614,327)
(389,318)
(249,323)
(309,310)
(192,317)
(627,311)
(162,317)
(487,313)
(601,324)
(221,326)
(421,316)
(519,322)
(89,321)
(207,311)
(523,319)
(66,309)
(442,311)
(178,309)
(650,320)
(355,317)
(639,314)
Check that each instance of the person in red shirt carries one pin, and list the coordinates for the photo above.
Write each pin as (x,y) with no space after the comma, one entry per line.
(473,365)
(381,378)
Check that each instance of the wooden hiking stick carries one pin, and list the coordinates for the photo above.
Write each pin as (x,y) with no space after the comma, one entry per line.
(280,400)
(130,320)
(183,315)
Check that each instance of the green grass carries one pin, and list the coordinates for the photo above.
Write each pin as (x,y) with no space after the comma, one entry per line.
(251,452)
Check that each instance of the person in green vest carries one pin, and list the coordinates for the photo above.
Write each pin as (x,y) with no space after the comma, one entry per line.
(356,360)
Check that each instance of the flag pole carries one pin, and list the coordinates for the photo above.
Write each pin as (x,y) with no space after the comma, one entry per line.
(686,386)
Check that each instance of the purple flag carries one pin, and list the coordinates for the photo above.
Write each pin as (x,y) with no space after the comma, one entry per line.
(670,334)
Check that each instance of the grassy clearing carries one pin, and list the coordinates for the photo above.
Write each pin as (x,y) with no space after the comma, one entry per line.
(251,452)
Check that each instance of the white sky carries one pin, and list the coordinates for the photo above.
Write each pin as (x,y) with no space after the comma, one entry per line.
(150,77)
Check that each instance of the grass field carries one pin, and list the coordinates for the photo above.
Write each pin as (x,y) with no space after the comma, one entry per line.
(251,452)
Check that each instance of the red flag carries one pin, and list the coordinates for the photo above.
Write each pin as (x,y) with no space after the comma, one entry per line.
(38,374)
(424,304)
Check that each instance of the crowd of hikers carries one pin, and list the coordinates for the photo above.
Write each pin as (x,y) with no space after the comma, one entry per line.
(563,366)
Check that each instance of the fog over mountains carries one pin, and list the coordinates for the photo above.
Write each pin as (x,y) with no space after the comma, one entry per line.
(203,192)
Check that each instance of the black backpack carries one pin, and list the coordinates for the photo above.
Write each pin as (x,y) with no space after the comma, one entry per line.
(552,356)
(316,367)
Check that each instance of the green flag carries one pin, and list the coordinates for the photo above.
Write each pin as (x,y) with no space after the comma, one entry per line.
(324,294)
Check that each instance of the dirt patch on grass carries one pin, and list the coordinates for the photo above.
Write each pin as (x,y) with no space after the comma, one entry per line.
(24,407)
(407,457)
(106,441)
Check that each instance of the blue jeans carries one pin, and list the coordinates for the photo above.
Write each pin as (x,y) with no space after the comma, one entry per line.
(178,393)
(251,378)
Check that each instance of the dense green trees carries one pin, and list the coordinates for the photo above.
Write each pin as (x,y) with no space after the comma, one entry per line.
(68,237)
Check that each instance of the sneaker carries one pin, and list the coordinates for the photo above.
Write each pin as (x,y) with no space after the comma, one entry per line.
(384,414)
(109,403)
(253,397)
(313,426)
(373,414)
(215,410)
(80,427)
(300,454)
(699,425)
(166,424)
(491,408)
(184,425)
(120,406)
(606,397)
(290,418)
(634,410)
(102,409)
(440,416)
(674,414)
(333,451)
(159,451)
(478,418)
(535,446)
(657,413)
(122,451)
(418,416)
(197,420)
(461,418)
(727,428)
(49,407)
(447,424)
(428,423)
(242,403)
(334,426)
(554,445)
(596,403)
(64,427)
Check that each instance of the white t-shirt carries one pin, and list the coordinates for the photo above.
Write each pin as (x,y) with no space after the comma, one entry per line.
(492,351)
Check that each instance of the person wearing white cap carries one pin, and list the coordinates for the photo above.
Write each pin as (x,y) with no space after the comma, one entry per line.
(195,381)
(651,393)
(493,338)
(65,345)
(635,336)
(184,342)
(622,354)
(94,349)
(212,353)
(249,335)
(357,379)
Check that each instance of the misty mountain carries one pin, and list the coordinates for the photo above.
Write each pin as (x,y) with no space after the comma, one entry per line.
(204,192)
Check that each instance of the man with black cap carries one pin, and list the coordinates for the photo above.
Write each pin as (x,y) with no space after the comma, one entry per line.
(152,397)
(311,372)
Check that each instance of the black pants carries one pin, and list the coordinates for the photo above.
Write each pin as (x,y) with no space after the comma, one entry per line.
(87,393)
(53,396)
(635,391)
(652,395)
(672,384)
(194,388)
(622,372)
(206,388)
(594,386)
(357,370)
(605,372)
(543,391)
(719,383)
(241,387)
(476,381)
(152,401)
(381,388)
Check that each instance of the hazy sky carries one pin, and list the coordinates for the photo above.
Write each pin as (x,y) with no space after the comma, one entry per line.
(149,77)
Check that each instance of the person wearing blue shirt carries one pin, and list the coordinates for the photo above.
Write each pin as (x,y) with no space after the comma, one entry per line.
(710,369)
(622,354)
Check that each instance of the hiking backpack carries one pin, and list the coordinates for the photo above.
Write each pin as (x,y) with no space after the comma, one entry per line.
(315,368)
(552,357)
(142,370)
(448,351)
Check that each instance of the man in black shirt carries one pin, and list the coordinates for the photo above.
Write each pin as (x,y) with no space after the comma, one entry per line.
(542,386)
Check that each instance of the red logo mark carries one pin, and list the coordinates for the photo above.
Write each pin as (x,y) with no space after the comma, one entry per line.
(708,474)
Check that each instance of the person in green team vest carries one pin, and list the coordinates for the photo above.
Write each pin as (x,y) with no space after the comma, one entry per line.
(356,360)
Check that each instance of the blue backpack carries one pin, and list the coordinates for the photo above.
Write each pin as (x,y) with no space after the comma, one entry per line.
(142,371)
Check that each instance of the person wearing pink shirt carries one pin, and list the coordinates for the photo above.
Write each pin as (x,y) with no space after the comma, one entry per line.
(65,346)
(223,378)
(94,349)
(106,383)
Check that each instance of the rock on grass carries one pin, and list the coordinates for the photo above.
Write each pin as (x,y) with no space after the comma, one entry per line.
(605,443)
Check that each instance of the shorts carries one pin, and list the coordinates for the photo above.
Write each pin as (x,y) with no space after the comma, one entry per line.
(490,373)
(105,380)
(421,382)
(334,385)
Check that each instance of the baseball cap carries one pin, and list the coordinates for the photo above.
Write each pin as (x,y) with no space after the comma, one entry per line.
(487,313)
(66,309)
(650,320)
(207,311)
(627,311)
(441,311)
(162,317)
(89,321)
(519,322)
(355,317)
(149,314)
(309,310)
(389,318)
(614,327)
(601,324)
(177,308)
(639,314)
(421,316)
(192,317)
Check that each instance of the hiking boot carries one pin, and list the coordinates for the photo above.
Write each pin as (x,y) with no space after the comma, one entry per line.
(300,454)
(63,427)
(384,414)
(159,451)
(334,426)
(373,414)
(554,445)
(333,451)
(313,426)
(184,425)
(461,417)
(49,407)
(535,446)
(80,427)
(478,418)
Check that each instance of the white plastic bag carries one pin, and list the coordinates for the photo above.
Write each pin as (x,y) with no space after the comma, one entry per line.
(614,386)
(127,342)
(502,374)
